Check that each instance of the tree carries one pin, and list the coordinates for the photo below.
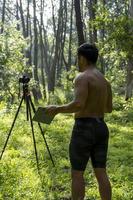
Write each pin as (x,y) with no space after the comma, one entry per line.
(79,23)
(22,18)
(92,16)
(129,87)
(41,48)
(52,74)
(36,89)
(3,15)
(12,62)
(102,38)
(70,39)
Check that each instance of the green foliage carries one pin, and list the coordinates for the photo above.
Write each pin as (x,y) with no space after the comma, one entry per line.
(12,61)
(117,79)
(64,93)
(19,181)
(115,41)
(118,32)
(18,173)
(122,35)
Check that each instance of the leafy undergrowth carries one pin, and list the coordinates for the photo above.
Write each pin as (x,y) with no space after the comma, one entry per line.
(19,178)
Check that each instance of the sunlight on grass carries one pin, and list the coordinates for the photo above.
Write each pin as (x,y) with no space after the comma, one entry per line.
(18,172)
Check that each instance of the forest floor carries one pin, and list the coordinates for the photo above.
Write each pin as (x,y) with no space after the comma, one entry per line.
(19,179)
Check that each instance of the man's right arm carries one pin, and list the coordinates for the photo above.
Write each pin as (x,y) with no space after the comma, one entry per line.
(80,97)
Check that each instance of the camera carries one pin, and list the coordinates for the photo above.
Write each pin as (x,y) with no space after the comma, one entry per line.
(24,80)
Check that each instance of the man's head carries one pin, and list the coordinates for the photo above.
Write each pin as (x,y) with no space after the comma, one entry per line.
(87,56)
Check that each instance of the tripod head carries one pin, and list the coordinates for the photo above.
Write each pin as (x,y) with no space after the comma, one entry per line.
(24,81)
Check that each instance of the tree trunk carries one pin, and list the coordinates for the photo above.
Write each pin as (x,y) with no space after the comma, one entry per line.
(17,15)
(68,62)
(27,18)
(41,50)
(28,34)
(102,37)
(22,18)
(129,87)
(64,20)
(53,68)
(45,50)
(70,40)
(92,15)
(36,91)
(79,23)
(3,16)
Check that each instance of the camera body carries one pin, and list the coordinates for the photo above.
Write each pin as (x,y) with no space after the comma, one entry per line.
(24,80)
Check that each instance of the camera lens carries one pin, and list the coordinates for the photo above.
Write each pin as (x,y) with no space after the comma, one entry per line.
(24,79)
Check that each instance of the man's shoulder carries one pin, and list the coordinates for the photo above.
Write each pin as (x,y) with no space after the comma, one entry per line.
(81,79)
(83,76)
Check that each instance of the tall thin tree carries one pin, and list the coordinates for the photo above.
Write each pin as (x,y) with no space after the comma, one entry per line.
(3,15)
(36,90)
(79,23)
(129,87)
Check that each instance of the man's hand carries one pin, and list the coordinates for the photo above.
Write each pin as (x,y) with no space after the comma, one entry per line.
(51,110)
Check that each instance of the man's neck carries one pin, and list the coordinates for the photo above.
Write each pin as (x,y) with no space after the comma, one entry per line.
(87,67)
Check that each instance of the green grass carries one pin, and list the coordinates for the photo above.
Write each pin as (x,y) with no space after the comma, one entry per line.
(19,179)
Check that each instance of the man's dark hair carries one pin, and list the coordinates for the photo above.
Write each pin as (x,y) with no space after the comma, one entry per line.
(89,51)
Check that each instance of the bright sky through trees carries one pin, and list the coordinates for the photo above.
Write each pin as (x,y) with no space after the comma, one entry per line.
(47,8)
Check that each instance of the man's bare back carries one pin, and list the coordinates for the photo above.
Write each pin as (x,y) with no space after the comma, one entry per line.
(97,96)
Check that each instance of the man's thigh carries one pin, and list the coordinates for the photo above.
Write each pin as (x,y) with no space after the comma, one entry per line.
(80,145)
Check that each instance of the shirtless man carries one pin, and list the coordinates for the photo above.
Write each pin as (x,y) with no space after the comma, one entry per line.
(93,98)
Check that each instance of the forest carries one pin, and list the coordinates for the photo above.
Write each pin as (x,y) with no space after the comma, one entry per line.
(39,40)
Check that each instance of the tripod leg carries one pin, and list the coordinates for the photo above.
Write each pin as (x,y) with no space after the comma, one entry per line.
(11,128)
(46,144)
(33,134)
(27,110)
(42,133)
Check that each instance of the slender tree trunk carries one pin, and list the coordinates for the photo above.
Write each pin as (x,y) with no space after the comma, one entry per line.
(22,18)
(3,16)
(61,47)
(52,75)
(129,87)
(30,49)
(70,39)
(69,60)
(79,23)
(45,52)
(27,18)
(36,90)
(28,34)
(53,17)
(102,37)
(92,15)
(41,49)
(64,20)
(17,15)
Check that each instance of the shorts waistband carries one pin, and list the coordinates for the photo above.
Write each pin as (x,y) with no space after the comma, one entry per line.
(96,119)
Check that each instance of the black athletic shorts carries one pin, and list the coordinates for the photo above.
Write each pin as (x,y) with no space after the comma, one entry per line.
(89,140)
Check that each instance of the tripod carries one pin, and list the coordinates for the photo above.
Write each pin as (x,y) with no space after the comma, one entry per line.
(29,107)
